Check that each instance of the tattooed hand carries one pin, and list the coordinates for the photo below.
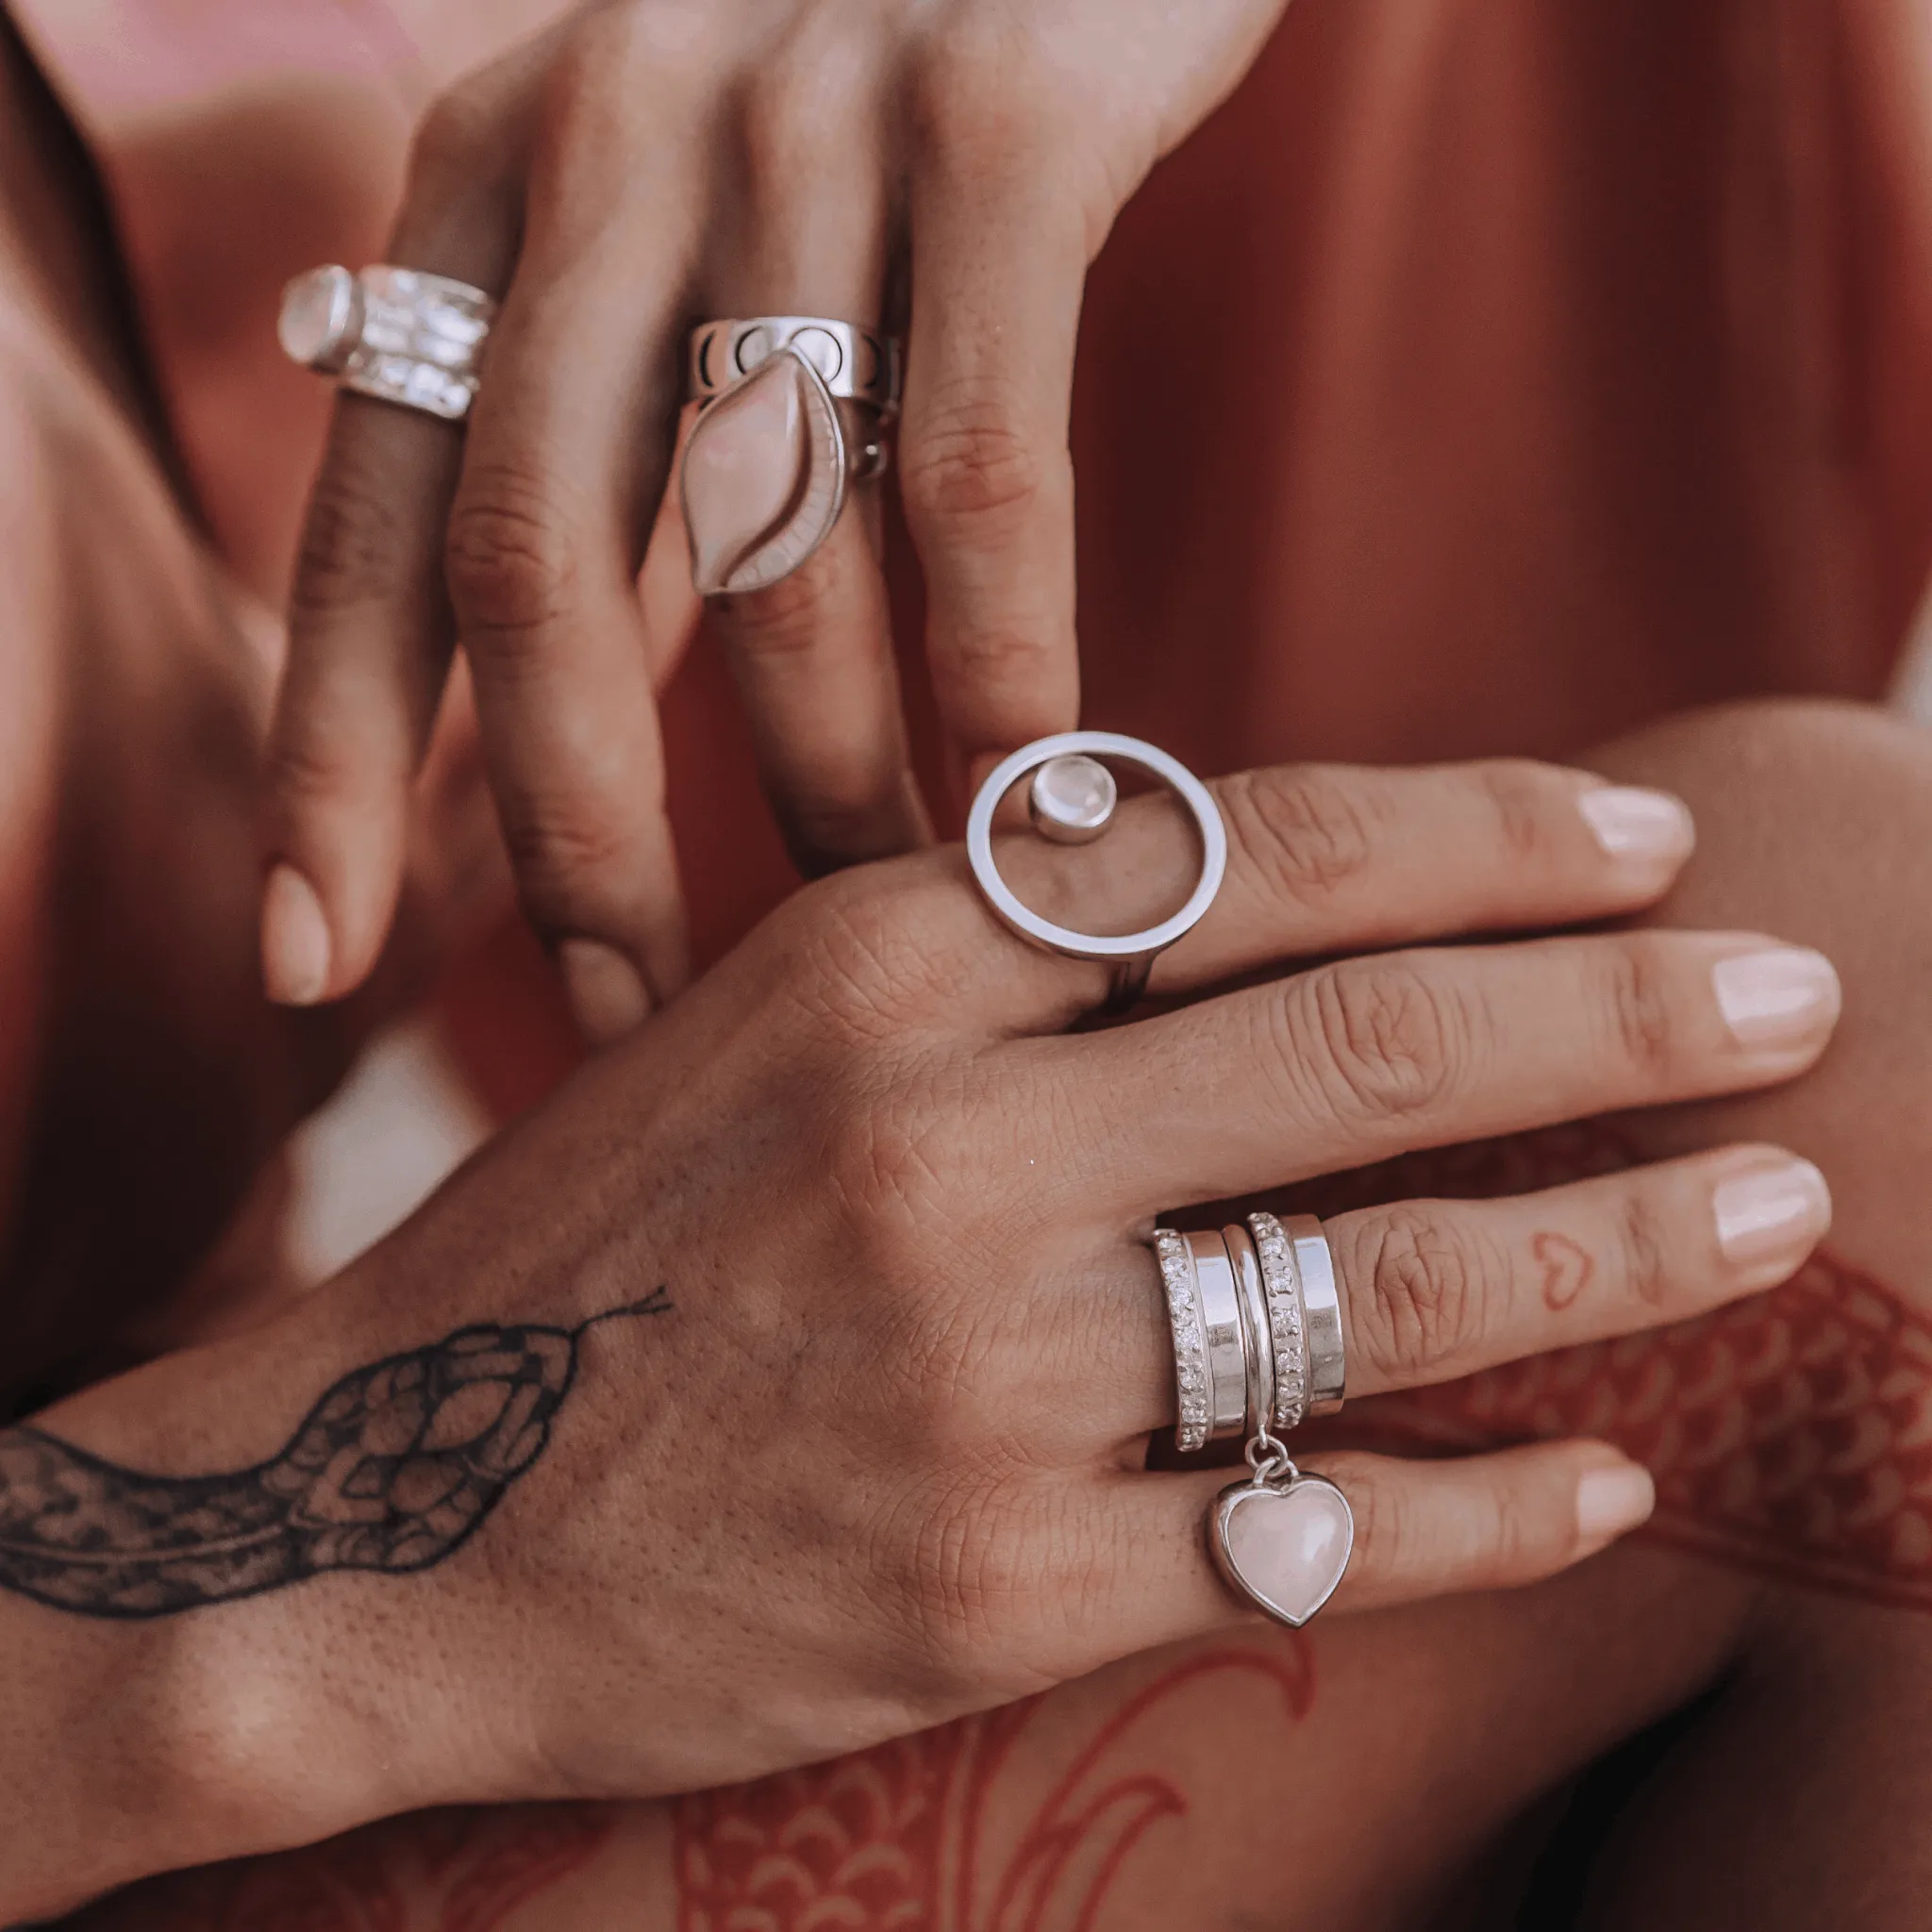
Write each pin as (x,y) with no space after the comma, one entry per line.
(885,1463)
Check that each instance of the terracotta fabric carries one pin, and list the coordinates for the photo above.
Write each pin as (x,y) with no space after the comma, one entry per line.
(1488,375)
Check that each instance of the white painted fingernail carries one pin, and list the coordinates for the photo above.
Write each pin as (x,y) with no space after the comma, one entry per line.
(1778,996)
(1612,1501)
(1633,822)
(295,948)
(1772,1216)
(606,993)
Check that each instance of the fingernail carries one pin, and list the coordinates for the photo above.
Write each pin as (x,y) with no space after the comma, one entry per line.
(606,993)
(1772,1216)
(1783,996)
(294,940)
(1632,821)
(1610,1501)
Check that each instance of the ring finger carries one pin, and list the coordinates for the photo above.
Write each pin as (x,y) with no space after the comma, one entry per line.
(1434,1290)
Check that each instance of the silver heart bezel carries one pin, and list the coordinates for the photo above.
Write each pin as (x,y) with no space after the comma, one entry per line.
(1229,1499)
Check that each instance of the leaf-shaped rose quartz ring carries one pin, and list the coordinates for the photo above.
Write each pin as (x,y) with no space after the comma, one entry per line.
(766,464)
(1072,801)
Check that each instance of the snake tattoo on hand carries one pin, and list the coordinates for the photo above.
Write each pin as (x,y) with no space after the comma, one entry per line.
(394,1469)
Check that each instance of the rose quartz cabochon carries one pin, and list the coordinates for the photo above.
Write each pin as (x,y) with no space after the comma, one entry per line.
(1286,1548)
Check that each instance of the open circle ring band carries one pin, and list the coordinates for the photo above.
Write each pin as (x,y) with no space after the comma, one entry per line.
(790,407)
(398,334)
(1282,1539)
(1072,800)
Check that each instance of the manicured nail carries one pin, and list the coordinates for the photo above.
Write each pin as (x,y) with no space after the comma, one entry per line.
(294,940)
(1781,996)
(1610,1501)
(1632,821)
(606,993)
(1771,1217)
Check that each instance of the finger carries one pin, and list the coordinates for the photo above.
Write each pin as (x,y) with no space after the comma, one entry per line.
(568,447)
(369,627)
(1434,1290)
(812,653)
(1327,859)
(1000,248)
(1142,1576)
(1368,1058)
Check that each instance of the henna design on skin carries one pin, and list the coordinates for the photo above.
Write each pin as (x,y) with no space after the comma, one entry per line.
(892,1836)
(1789,1434)
(394,1469)
(1566,1269)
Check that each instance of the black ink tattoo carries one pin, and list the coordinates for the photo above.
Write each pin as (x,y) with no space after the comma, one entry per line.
(392,1470)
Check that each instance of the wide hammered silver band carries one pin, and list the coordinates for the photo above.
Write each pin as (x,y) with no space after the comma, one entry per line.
(1072,800)
(857,364)
(400,335)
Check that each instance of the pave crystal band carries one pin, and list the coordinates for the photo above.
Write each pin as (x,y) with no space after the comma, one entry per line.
(1190,1357)
(398,334)
(1281,1292)
(856,365)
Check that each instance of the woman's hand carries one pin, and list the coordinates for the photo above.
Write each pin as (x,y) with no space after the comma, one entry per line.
(648,164)
(872,1449)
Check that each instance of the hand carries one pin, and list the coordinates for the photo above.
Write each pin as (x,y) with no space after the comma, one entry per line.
(647,163)
(882,1458)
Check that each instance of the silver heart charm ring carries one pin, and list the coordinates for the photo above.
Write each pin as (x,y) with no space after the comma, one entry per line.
(1283,1541)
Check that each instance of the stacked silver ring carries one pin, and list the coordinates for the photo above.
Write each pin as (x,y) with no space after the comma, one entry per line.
(398,334)
(1256,1325)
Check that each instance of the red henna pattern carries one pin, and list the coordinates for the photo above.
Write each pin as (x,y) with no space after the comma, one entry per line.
(1567,1269)
(1791,1433)
(890,1840)
(457,1871)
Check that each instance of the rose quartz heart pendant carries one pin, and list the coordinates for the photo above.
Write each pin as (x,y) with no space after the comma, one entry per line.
(1283,1545)
(764,476)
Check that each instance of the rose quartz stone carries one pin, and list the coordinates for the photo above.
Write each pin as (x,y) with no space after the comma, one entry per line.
(1290,1548)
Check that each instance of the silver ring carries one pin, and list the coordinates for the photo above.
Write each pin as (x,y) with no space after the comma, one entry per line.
(398,334)
(856,364)
(1190,1354)
(1314,1267)
(1246,1264)
(1224,1334)
(1281,1290)
(1066,799)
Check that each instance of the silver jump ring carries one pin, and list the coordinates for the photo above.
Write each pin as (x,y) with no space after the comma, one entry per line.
(400,335)
(1072,799)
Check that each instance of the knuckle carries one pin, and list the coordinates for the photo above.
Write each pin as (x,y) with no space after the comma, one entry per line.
(977,1578)
(1518,791)
(966,465)
(566,853)
(353,549)
(511,555)
(870,950)
(1380,1039)
(1642,1248)
(974,100)
(1308,831)
(1637,999)
(1426,1280)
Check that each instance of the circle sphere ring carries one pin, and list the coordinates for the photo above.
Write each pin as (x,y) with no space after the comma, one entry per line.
(1123,948)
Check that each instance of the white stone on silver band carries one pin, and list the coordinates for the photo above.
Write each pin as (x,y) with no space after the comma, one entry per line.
(1224,1334)
(856,365)
(1314,1268)
(1190,1355)
(398,334)
(1281,1290)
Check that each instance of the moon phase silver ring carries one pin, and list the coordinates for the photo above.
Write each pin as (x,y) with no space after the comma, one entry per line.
(1072,800)
(790,407)
(398,334)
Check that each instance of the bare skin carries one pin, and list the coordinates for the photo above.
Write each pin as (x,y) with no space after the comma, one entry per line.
(1687,1618)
